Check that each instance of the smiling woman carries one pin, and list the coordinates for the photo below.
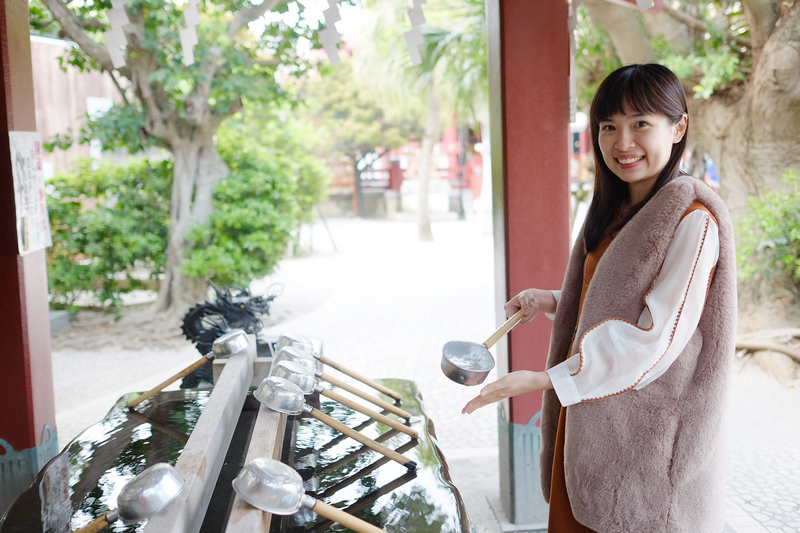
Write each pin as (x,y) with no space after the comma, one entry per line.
(642,341)
(637,146)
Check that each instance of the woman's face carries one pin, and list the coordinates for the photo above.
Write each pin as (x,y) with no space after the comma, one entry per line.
(637,146)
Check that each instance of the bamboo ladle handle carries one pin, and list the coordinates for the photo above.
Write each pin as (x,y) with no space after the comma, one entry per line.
(505,328)
(95,525)
(391,422)
(355,375)
(361,394)
(347,520)
(363,439)
(152,392)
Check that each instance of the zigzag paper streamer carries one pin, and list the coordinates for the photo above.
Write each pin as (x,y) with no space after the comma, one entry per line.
(414,36)
(115,38)
(189,34)
(329,36)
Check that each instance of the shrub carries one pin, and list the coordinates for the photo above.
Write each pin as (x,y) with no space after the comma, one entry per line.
(110,221)
(769,232)
(272,188)
(107,221)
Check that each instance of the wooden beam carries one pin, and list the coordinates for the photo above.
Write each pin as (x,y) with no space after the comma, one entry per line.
(266,441)
(202,458)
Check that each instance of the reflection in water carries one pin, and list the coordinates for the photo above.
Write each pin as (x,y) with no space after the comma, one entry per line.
(370,486)
(107,455)
(342,472)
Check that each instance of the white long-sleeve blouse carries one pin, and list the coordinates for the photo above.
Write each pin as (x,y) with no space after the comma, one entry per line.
(616,355)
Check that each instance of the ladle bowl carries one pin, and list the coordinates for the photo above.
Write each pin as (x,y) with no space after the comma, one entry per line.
(270,486)
(277,488)
(297,374)
(304,358)
(230,343)
(149,492)
(295,355)
(285,397)
(280,395)
(143,496)
(306,380)
(292,339)
(469,363)
(225,346)
(307,345)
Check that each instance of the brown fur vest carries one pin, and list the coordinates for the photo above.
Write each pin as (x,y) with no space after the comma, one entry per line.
(653,459)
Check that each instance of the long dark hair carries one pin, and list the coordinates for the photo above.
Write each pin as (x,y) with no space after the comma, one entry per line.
(643,88)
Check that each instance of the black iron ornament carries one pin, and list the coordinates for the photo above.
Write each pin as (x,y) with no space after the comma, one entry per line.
(234,308)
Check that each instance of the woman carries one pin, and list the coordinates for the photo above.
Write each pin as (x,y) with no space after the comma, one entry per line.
(633,435)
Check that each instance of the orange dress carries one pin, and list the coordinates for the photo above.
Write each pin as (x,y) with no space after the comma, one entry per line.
(561,519)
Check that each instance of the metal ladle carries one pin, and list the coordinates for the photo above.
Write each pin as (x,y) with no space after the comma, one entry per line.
(294,353)
(469,363)
(304,343)
(143,496)
(277,488)
(225,346)
(304,378)
(284,396)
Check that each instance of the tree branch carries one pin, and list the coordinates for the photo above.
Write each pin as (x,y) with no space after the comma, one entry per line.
(698,24)
(761,17)
(248,15)
(626,32)
(119,87)
(769,346)
(74,29)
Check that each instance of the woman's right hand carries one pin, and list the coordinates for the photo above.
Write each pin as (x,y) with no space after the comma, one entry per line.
(531,301)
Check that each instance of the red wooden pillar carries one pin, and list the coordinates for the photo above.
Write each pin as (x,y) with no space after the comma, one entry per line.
(27,409)
(528,47)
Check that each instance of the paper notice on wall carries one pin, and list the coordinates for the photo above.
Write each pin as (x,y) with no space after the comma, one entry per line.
(33,224)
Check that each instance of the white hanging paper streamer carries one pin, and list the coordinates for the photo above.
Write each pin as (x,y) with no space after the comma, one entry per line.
(115,38)
(329,36)
(641,5)
(189,34)
(414,36)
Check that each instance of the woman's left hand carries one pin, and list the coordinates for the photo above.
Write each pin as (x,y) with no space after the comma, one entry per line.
(511,384)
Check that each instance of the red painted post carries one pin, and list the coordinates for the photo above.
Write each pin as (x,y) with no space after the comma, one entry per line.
(26,383)
(528,46)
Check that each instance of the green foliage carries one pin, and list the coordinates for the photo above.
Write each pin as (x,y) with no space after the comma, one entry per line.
(717,68)
(715,58)
(713,54)
(770,233)
(244,72)
(455,50)
(595,58)
(107,220)
(40,18)
(121,127)
(111,220)
(272,188)
(351,118)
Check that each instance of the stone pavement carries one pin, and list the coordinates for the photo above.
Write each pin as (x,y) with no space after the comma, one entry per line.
(384,303)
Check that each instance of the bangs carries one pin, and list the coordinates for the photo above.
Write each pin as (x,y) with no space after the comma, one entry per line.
(637,91)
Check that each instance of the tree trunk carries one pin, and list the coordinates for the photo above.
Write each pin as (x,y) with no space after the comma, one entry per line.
(626,33)
(197,169)
(431,135)
(753,141)
(752,133)
(358,189)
